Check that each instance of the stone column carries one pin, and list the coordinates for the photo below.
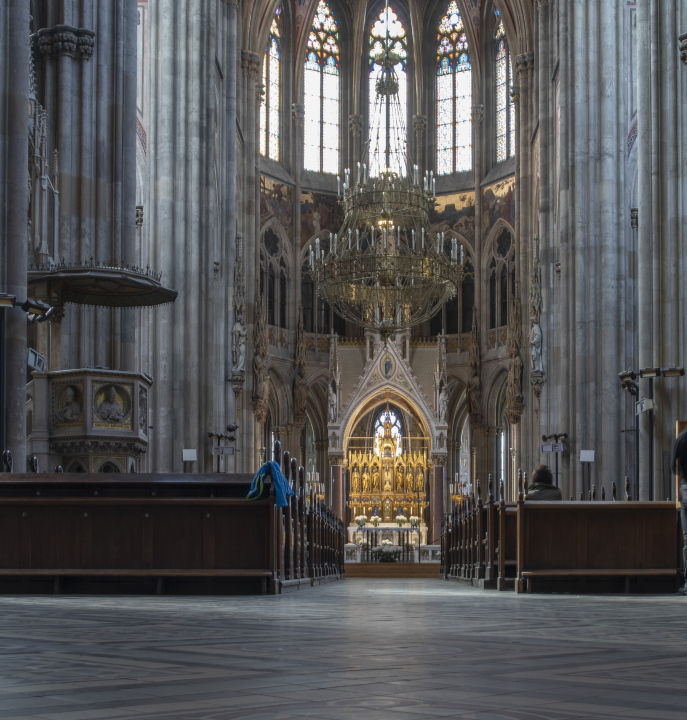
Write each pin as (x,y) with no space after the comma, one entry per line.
(436,510)
(298,115)
(420,127)
(478,144)
(338,486)
(14,180)
(355,126)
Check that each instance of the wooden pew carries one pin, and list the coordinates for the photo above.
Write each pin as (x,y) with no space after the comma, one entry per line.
(564,541)
(181,531)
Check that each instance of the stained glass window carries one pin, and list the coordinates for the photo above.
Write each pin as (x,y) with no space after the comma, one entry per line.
(388,21)
(396,427)
(505,110)
(321,85)
(454,95)
(269,107)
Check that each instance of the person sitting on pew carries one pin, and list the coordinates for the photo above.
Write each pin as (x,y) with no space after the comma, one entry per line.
(542,487)
(679,464)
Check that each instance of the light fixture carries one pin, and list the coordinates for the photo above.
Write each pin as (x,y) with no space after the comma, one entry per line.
(650,372)
(673,371)
(386,269)
(627,375)
(7,301)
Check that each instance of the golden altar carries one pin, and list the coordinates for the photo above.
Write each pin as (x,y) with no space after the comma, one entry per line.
(385,479)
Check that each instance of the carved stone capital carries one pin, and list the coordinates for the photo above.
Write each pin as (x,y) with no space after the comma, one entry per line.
(525,65)
(336,459)
(683,47)
(419,124)
(537,380)
(355,125)
(543,3)
(298,114)
(477,114)
(439,460)
(259,93)
(250,63)
(237,380)
(77,43)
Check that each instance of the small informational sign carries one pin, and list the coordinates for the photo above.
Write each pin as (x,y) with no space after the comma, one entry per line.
(547,448)
(558,447)
(222,450)
(189,455)
(587,456)
(643,405)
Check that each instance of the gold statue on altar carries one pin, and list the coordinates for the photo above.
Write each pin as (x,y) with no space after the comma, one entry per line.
(387,475)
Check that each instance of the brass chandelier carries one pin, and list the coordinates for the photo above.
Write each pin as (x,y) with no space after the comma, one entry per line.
(386,269)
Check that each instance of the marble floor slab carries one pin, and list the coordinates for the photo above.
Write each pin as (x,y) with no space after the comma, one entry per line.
(359,649)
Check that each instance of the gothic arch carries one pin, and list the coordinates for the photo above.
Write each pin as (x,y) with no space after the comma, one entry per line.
(493,385)
(499,226)
(279,394)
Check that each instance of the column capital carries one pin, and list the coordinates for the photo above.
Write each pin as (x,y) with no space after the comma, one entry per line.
(77,43)
(298,114)
(419,124)
(477,114)
(355,124)
(683,47)
(541,4)
(525,65)
(250,63)
(439,460)
(336,460)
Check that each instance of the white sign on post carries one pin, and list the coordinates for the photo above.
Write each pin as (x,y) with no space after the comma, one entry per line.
(586,456)
(547,448)
(189,455)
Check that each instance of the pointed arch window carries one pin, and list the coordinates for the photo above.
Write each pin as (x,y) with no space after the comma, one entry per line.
(454,95)
(270,105)
(321,94)
(505,107)
(398,46)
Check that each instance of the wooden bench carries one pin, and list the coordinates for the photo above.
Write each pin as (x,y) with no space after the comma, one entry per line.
(601,540)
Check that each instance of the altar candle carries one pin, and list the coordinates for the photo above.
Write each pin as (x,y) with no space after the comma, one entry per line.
(338,185)
(317,247)
(423,238)
(462,254)
(357,238)
(373,236)
(336,238)
(350,232)
(413,239)
(384,232)
(358,171)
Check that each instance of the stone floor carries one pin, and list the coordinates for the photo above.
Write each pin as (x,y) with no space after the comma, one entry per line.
(379,649)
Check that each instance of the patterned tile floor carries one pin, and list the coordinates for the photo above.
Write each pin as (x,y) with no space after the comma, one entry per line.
(358,650)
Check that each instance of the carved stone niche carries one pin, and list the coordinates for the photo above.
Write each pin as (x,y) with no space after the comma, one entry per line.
(97,420)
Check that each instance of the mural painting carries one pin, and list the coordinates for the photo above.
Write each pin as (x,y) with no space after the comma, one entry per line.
(319,212)
(455,213)
(276,198)
(498,202)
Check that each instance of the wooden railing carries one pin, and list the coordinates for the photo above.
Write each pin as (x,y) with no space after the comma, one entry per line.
(555,544)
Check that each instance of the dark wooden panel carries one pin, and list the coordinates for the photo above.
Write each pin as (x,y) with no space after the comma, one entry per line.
(550,537)
(610,540)
(177,536)
(242,537)
(57,535)
(11,520)
(117,537)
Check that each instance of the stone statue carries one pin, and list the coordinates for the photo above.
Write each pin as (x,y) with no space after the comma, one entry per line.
(300,395)
(399,478)
(239,334)
(375,479)
(366,481)
(72,409)
(474,390)
(535,345)
(143,410)
(387,479)
(259,365)
(110,409)
(332,405)
(443,405)
(355,481)
(409,480)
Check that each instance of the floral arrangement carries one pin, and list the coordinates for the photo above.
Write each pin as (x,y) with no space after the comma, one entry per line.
(375,520)
(387,542)
(401,520)
(361,520)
